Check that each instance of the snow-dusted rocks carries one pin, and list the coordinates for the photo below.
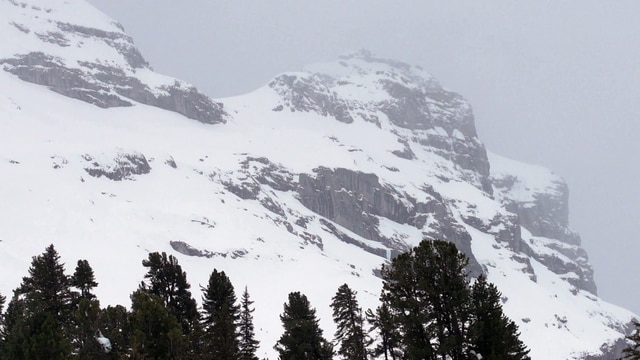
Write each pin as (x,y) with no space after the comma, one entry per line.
(78,52)
(313,180)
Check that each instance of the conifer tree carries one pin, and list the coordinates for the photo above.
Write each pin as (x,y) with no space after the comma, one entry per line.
(166,279)
(156,333)
(85,317)
(84,279)
(302,338)
(38,321)
(220,318)
(382,322)
(248,344)
(632,352)
(350,324)
(427,292)
(492,334)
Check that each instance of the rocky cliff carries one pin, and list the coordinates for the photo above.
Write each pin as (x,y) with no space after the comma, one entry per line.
(314,180)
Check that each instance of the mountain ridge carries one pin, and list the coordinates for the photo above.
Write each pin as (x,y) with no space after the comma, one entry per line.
(320,175)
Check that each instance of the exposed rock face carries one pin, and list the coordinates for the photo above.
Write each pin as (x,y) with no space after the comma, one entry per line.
(121,167)
(540,199)
(357,201)
(122,77)
(411,100)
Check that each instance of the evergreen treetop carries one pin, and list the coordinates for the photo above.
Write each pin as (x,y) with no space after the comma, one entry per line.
(84,279)
(220,317)
(248,343)
(349,324)
(302,338)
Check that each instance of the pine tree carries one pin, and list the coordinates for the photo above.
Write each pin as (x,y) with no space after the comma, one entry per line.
(632,352)
(350,324)
(156,333)
(382,322)
(39,318)
(492,334)
(302,338)
(220,318)
(248,344)
(84,279)
(166,279)
(427,292)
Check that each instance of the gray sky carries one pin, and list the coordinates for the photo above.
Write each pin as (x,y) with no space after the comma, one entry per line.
(552,83)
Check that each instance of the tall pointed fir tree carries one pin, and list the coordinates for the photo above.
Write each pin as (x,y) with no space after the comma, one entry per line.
(221,314)
(383,324)
(302,338)
(632,351)
(492,334)
(347,315)
(39,316)
(427,292)
(248,344)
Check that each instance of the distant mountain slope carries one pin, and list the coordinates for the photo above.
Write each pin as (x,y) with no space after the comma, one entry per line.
(309,182)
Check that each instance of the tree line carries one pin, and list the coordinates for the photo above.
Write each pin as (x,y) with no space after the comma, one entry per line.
(429,309)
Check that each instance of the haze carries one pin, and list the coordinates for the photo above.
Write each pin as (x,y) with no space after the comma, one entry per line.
(552,83)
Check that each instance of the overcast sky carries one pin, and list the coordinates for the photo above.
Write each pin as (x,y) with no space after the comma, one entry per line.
(552,83)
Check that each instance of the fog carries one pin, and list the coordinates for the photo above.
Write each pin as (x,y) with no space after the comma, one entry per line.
(551,83)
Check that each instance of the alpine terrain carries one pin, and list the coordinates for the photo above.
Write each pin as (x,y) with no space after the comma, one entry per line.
(310,182)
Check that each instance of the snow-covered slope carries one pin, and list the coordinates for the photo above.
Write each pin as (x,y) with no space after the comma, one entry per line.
(309,182)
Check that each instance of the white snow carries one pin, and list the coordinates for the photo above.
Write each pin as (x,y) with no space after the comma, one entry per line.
(48,197)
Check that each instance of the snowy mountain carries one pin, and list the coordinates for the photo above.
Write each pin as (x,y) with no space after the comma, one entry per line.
(309,182)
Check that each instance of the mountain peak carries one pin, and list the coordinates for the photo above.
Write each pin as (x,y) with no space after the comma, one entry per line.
(77,51)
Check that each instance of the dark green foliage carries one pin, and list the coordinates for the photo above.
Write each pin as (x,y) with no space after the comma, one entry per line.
(38,323)
(383,323)
(350,324)
(427,292)
(492,334)
(83,279)
(632,352)
(302,338)
(2,301)
(248,344)
(46,289)
(113,323)
(165,279)
(220,318)
(156,334)
(86,329)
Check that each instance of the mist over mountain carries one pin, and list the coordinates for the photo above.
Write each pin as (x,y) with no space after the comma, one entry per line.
(311,181)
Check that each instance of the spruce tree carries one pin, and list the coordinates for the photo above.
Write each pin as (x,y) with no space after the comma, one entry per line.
(302,338)
(156,333)
(632,352)
(492,334)
(220,318)
(39,318)
(427,292)
(350,324)
(248,344)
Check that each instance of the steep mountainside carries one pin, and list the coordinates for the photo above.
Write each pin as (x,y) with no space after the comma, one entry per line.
(309,182)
